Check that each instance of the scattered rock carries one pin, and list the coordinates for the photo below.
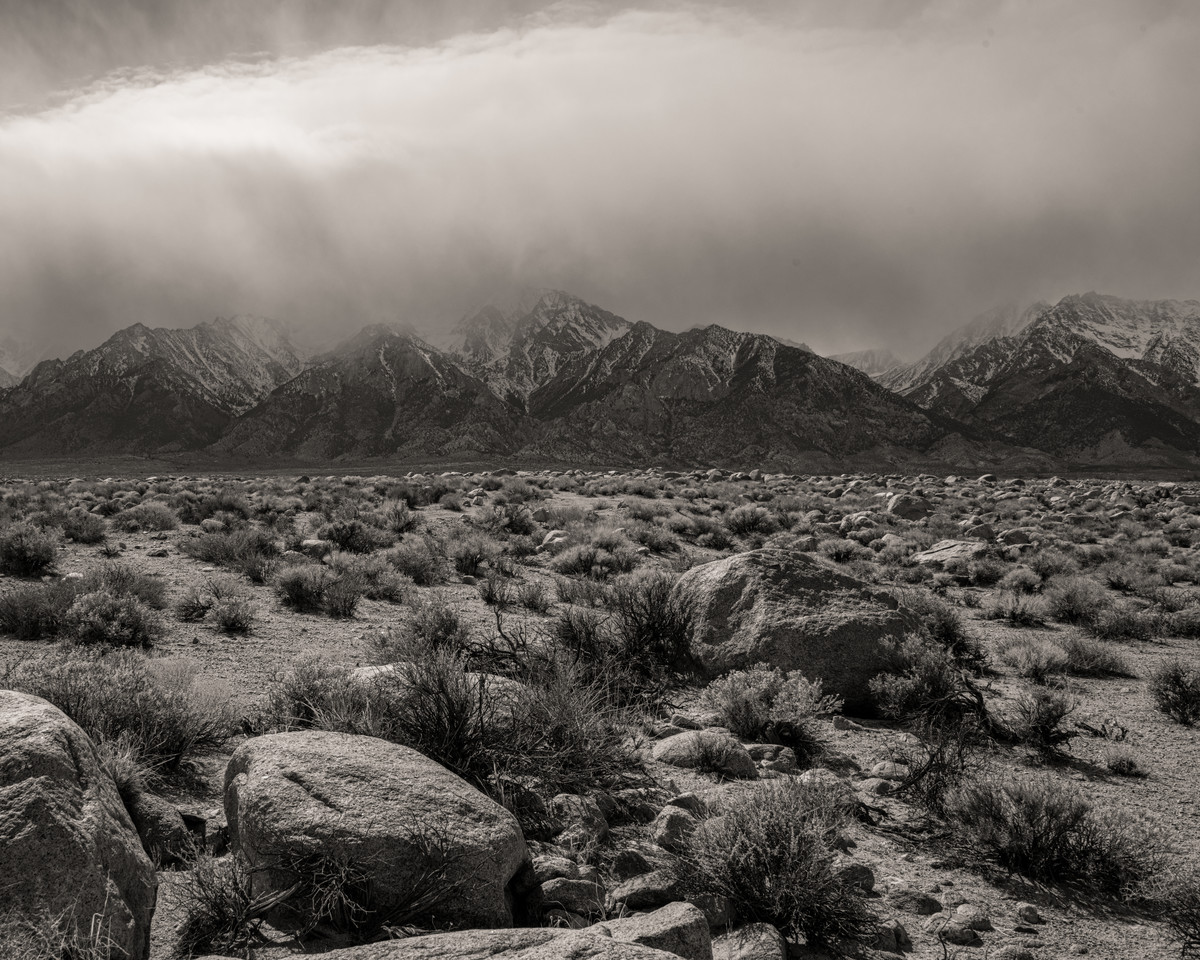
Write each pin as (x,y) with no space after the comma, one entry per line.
(1028,913)
(945,551)
(975,917)
(583,897)
(858,875)
(530,943)
(585,825)
(165,837)
(911,900)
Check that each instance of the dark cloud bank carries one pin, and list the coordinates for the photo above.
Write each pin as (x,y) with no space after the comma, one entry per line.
(844,178)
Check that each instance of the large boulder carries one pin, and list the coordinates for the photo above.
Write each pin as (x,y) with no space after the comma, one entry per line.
(534,943)
(783,608)
(67,846)
(378,806)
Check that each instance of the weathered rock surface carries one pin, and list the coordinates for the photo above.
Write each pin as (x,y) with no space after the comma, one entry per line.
(945,551)
(783,608)
(755,941)
(375,804)
(67,845)
(526,944)
(714,750)
(678,928)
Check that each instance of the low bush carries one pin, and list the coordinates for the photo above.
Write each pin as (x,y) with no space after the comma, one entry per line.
(1093,658)
(435,627)
(1039,716)
(471,551)
(1019,609)
(1033,658)
(26,551)
(944,626)
(1124,761)
(122,580)
(251,551)
(83,527)
(652,622)
(928,688)
(763,703)
(221,914)
(155,707)
(1075,600)
(106,618)
(145,516)
(1124,622)
(302,587)
(1049,832)
(1175,690)
(770,853)
(34,611)
(420,559)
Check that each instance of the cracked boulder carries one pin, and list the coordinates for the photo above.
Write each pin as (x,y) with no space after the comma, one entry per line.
(68,849)
(400,823)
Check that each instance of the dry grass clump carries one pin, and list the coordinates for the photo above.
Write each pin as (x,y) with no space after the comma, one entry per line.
(48,937)
(770,852)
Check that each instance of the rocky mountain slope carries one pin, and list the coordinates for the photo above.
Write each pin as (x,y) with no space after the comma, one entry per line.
(517,348)
(147,390)
(717,395)
(1089,380)
(1092,377)
(874,363)
(384,392)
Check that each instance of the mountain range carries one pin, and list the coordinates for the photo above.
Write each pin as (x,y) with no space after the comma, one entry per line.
(1090,380)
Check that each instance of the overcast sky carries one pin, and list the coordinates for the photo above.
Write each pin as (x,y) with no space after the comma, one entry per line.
(847,174)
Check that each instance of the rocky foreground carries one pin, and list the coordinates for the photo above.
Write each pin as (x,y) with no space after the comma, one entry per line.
(982,647)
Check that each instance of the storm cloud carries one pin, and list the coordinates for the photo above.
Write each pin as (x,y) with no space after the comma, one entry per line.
(848,180)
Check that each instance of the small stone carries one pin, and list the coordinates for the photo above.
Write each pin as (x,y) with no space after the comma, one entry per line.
(1028,913)
(973,916)
(858,875)
(1077,948)
(913,901)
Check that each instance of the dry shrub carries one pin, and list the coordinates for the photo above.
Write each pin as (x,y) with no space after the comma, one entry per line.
(1175,690)
(153,706)
(1049,832)
(770,852)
